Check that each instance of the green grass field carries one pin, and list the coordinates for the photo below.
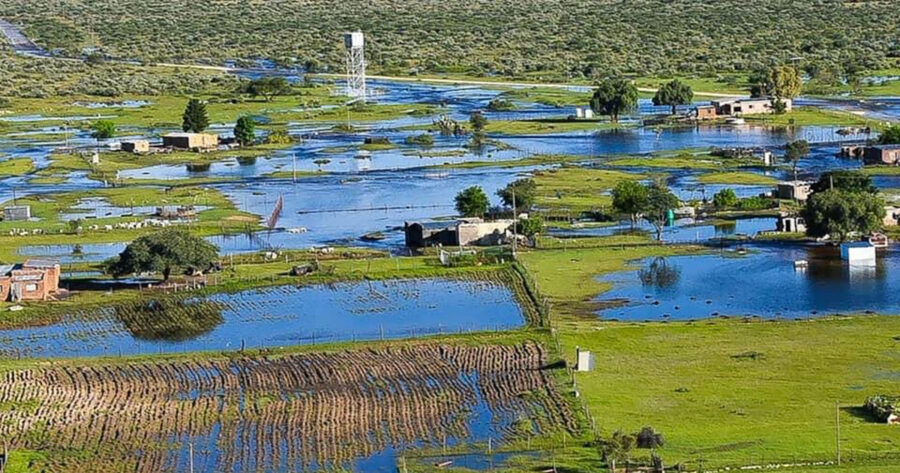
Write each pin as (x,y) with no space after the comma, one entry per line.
(743,178)
(732,392)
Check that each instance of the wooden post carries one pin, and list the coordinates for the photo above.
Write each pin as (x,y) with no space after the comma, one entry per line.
(837,425)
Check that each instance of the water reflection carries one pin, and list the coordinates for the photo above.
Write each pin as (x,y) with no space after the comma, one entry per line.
(763,282)
(169,320)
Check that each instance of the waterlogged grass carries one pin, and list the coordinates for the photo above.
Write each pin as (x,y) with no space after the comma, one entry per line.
(702,161)
(811,116)
(566,270)
(113,162)
(578,189)
(738,178)
(532,127)
(881,170)
(16,167)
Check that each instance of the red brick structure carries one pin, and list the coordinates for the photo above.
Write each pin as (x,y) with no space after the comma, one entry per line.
(35,280)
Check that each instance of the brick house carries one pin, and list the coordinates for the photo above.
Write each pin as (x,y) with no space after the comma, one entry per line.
(34,280)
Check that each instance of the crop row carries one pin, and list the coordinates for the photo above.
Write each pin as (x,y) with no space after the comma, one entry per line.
(285,413)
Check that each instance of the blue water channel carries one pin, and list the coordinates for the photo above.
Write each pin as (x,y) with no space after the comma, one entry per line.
(281,316)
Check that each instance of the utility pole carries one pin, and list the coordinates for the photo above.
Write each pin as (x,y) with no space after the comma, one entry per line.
(515,224)
(837,430)
(191,446)
(294,167)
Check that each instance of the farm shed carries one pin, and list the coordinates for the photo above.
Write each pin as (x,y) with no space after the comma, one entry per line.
(199,141)
(136,146)
(17,212)
(882,154)
(793,190)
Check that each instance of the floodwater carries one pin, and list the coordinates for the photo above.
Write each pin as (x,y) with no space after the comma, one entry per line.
(276,317)
(685,230)
(700,286)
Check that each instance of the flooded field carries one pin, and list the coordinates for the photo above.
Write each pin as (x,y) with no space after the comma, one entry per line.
(275,317)
(695,287)
(318,412)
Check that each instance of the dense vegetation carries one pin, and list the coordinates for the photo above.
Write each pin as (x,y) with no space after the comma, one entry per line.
(543,37)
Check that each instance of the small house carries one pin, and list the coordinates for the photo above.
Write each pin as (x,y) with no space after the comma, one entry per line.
(882,154)
(891,216)
(194,141)
(136,146)
(747,106)
(793,190)
(467,232)
(788,223)
(35,280)
(707,112)
(17,213)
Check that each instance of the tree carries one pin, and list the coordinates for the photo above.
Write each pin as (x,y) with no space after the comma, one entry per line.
(786,82)
(245,130)
(844,180)
(525,191)
(195,119)
(659,202)
(472,202)
(165,251)
(102,130)
(890,135)
(673,94)
(839,214)
(629,198)
(268,87)
(794,152)
(725,198)
(782,82)
(613,97)
(617,448)
(478,121)
(530,226)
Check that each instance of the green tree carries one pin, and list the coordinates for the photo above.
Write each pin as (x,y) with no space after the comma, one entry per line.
(782,82)
(268,87)
(525,191)
(245,130)
(478,121)
(102,130)
(794,152)
(614,97)
(890,135)
(839,214)
(845,180)
(472,202)
(786,82)
(725,198)
(673,94)
(617,448)
(165,251)
(195,119)
(530,226)
(630,198)
(659,202)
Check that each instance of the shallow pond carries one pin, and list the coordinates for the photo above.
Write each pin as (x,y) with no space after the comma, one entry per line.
(761,283)
(277,316)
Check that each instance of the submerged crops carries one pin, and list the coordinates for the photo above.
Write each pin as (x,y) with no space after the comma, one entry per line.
(295,411)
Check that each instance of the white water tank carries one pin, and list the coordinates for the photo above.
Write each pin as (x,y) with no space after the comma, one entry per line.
(353,40)
(858,252)
(579,113)
(588,113)
(585,360)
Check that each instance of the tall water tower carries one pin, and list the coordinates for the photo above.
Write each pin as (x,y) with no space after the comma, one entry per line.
(356,65)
